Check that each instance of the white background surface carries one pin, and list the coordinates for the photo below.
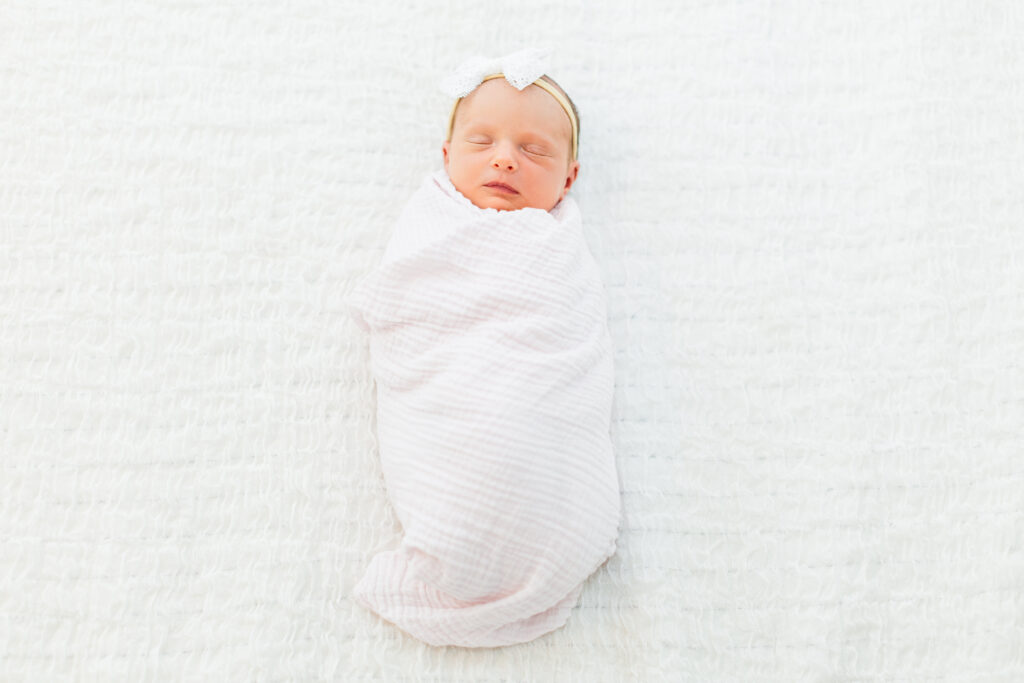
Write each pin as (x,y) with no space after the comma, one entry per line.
(810,222)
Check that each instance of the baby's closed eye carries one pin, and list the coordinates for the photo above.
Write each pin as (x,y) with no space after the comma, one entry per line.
(533,149)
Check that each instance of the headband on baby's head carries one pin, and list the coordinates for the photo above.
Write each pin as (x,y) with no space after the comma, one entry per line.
(520,69)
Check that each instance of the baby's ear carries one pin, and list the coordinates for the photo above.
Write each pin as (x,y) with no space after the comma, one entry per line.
(444,152)
(570,176)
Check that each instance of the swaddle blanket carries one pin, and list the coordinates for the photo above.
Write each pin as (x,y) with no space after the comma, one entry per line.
(491,354)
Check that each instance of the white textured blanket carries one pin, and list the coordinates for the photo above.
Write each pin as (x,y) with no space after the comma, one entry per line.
(492,358)
(808,219)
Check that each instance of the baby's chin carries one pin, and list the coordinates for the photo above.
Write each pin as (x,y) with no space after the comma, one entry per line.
(501,203)
(496,203)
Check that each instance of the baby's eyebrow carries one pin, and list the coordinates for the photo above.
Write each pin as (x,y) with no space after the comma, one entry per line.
(539,140)
(536,135)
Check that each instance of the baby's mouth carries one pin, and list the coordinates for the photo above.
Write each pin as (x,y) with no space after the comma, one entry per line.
(501,187)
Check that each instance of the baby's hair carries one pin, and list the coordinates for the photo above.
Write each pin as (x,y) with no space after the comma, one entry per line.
(571,104)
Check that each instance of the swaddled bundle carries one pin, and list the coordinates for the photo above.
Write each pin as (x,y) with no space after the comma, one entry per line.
(492,358)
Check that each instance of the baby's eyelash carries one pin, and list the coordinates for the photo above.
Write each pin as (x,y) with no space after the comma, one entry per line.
(535,151)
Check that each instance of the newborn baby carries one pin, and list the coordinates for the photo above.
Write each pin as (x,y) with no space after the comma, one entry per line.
(492,362)
(511,149)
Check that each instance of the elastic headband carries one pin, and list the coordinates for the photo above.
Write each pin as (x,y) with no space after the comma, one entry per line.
(546,86)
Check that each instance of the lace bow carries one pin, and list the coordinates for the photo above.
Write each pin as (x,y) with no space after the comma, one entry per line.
(520,69)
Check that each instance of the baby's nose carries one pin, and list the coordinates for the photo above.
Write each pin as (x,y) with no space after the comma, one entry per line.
(503,160)
(503,164)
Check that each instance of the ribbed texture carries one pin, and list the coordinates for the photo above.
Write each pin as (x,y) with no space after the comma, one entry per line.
(491,354)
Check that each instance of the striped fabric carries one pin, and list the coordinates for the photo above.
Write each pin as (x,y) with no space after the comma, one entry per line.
(490,350)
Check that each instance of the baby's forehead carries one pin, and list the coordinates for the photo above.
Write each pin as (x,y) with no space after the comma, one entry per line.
(498,89)
(488,100)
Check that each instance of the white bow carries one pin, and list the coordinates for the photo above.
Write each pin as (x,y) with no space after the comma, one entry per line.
(520,68)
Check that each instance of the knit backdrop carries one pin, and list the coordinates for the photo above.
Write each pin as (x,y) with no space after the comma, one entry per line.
(809,218)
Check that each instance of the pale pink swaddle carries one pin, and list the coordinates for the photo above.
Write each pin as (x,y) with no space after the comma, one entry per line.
(492,358)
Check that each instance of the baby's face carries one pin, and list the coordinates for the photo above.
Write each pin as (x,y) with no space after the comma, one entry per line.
(520,138)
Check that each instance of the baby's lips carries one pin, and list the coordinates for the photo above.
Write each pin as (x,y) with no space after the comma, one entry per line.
(502,185)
